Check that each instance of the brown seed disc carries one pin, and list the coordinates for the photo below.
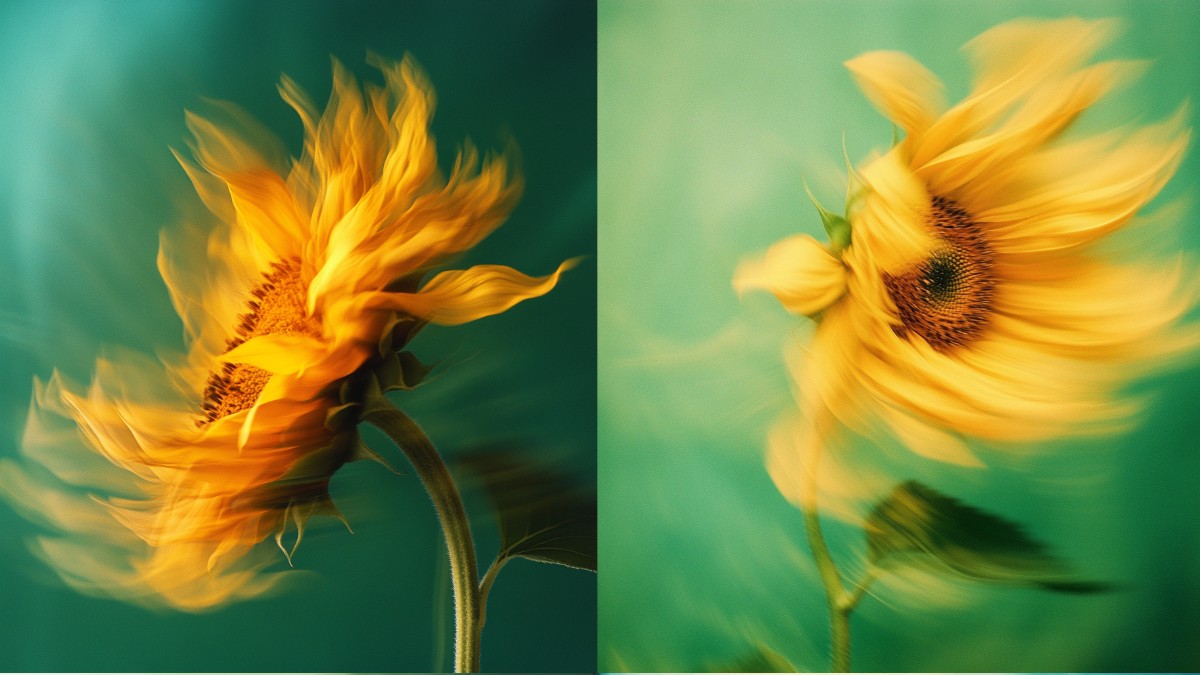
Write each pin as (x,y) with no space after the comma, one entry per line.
(278,308)
(947,298)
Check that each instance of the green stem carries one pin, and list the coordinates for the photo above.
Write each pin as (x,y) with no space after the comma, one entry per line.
(839,612)
(850,600)
(464,572)
(485,587)
(839,616)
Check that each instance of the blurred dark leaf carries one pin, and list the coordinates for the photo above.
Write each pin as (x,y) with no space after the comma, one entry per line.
(916,524)
(762,660)
(544,514)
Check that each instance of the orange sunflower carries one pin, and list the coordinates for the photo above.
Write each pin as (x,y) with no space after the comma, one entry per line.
(312,276)
(971,290)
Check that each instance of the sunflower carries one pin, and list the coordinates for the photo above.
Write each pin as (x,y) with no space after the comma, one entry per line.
(973,290)
(311,276)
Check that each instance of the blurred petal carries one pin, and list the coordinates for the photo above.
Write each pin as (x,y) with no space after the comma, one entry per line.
(461,296)
(799,271)
(900,87)
(160,480)
(976,302)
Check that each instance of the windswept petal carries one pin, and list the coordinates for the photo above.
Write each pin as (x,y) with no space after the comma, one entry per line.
(462,296)
(900,87)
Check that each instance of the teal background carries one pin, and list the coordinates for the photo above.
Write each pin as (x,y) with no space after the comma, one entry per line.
(94,94)
(710,114)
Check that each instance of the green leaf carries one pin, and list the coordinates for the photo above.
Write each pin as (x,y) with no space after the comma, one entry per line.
(916,524)
(544,514)
(762,660)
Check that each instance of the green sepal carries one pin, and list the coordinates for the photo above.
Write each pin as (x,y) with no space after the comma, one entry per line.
(401,328)
(837,227)
(398,331)
(373,398)
(856,187)
(918,525)
(340,416)
(400,370)
(299,514)
(363,452)
(364,390)
(386,336)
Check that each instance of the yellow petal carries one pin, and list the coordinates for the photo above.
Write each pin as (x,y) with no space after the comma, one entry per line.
(278,353)
(889,231)
(900,87)
(1103,312)
(461,296)
(1026,52)
(929,440)
(1010,61)
(265,206)
(799,271)
(1045,112)
(1071,195)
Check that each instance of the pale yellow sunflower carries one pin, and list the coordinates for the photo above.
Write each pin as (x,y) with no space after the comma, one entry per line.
(975,295)
(313,274)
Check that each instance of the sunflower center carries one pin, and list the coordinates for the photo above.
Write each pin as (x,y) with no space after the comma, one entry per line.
(277,309)
(947,298)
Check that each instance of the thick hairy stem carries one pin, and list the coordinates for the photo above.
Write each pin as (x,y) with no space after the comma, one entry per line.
(464,571)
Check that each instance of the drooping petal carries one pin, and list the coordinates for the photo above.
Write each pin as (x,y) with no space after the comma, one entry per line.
(260,200)
(265,206)
(799,271)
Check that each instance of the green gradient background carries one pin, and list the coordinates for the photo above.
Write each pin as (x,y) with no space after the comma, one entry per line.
(710,114)
(94,93)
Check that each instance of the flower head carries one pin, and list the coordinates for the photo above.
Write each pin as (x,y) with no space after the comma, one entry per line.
(978,300)
(312,277)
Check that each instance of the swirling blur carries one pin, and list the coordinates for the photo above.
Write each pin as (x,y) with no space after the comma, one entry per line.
(95,99)
(709,135)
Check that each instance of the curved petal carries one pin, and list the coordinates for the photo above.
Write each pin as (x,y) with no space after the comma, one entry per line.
(1097,312)
(1071,195)
(889,230)
(1046,111)
(278,353)
(900,87)
(799,271)
(1010,61)
(462,296)
(265,206)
